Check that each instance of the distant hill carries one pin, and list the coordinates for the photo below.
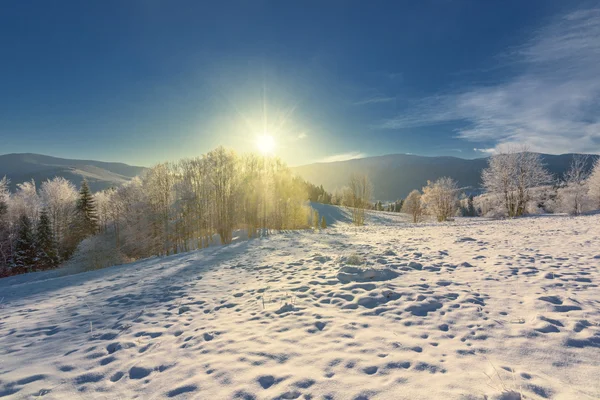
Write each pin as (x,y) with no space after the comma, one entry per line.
(100,175)
(395,175)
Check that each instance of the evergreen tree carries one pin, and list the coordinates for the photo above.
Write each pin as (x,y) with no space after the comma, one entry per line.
(316,219)
(5,242)
(24,257)
(470,207)
(46,256)
(323,223)
(87,217)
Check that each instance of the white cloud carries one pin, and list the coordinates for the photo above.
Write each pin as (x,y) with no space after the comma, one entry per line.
(552,106)
(489,151)
(302,136)
(343,157)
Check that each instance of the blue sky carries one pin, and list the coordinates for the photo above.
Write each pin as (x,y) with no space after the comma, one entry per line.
(148,81)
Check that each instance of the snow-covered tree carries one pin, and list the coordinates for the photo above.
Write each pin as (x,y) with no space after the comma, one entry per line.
(511,175)
(159,182)
(25,201)
(412,205)
(224,180)
(132,220)
(573,195)
(440,198)
(594,185)
(357,197)
(103,205)
(59,197)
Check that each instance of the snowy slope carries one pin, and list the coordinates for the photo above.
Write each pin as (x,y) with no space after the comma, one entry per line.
(464,310)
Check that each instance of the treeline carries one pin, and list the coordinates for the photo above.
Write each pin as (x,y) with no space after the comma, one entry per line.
(173,207)
(39,229)
(515,183)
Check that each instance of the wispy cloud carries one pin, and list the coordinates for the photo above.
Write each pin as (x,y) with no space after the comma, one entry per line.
(375,100)
(343,157)
(302,136)
(552,106)
(489,150)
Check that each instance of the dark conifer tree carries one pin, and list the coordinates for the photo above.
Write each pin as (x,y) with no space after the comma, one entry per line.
(5,243)
(45,244)
(399,205)
(87,217)
(24,257)
(470,207)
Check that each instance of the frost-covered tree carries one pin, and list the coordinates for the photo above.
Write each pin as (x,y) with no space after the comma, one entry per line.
(59,197)
(25,201)
(440,198)
(511,175)
(103,205)
(412,205)
(357,197)
(45,245)
(593,184)
(25,252)
(158,182)
(131,219)
(224,180)
(573,195)
(254,189)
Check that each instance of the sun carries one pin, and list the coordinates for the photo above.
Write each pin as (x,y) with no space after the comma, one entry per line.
(265,144)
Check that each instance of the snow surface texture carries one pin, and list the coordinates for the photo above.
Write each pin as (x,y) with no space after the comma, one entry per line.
(461,310)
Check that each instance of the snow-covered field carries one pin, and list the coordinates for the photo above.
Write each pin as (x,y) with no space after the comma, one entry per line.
(462,310)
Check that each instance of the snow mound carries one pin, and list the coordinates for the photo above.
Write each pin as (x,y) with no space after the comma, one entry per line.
(356,274)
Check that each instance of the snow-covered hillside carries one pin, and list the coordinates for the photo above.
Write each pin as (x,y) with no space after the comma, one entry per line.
(462,310)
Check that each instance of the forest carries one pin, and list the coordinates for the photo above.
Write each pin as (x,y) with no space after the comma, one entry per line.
(174,207)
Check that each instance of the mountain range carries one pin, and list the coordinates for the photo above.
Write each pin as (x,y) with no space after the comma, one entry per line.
(393,176)
(100,175)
